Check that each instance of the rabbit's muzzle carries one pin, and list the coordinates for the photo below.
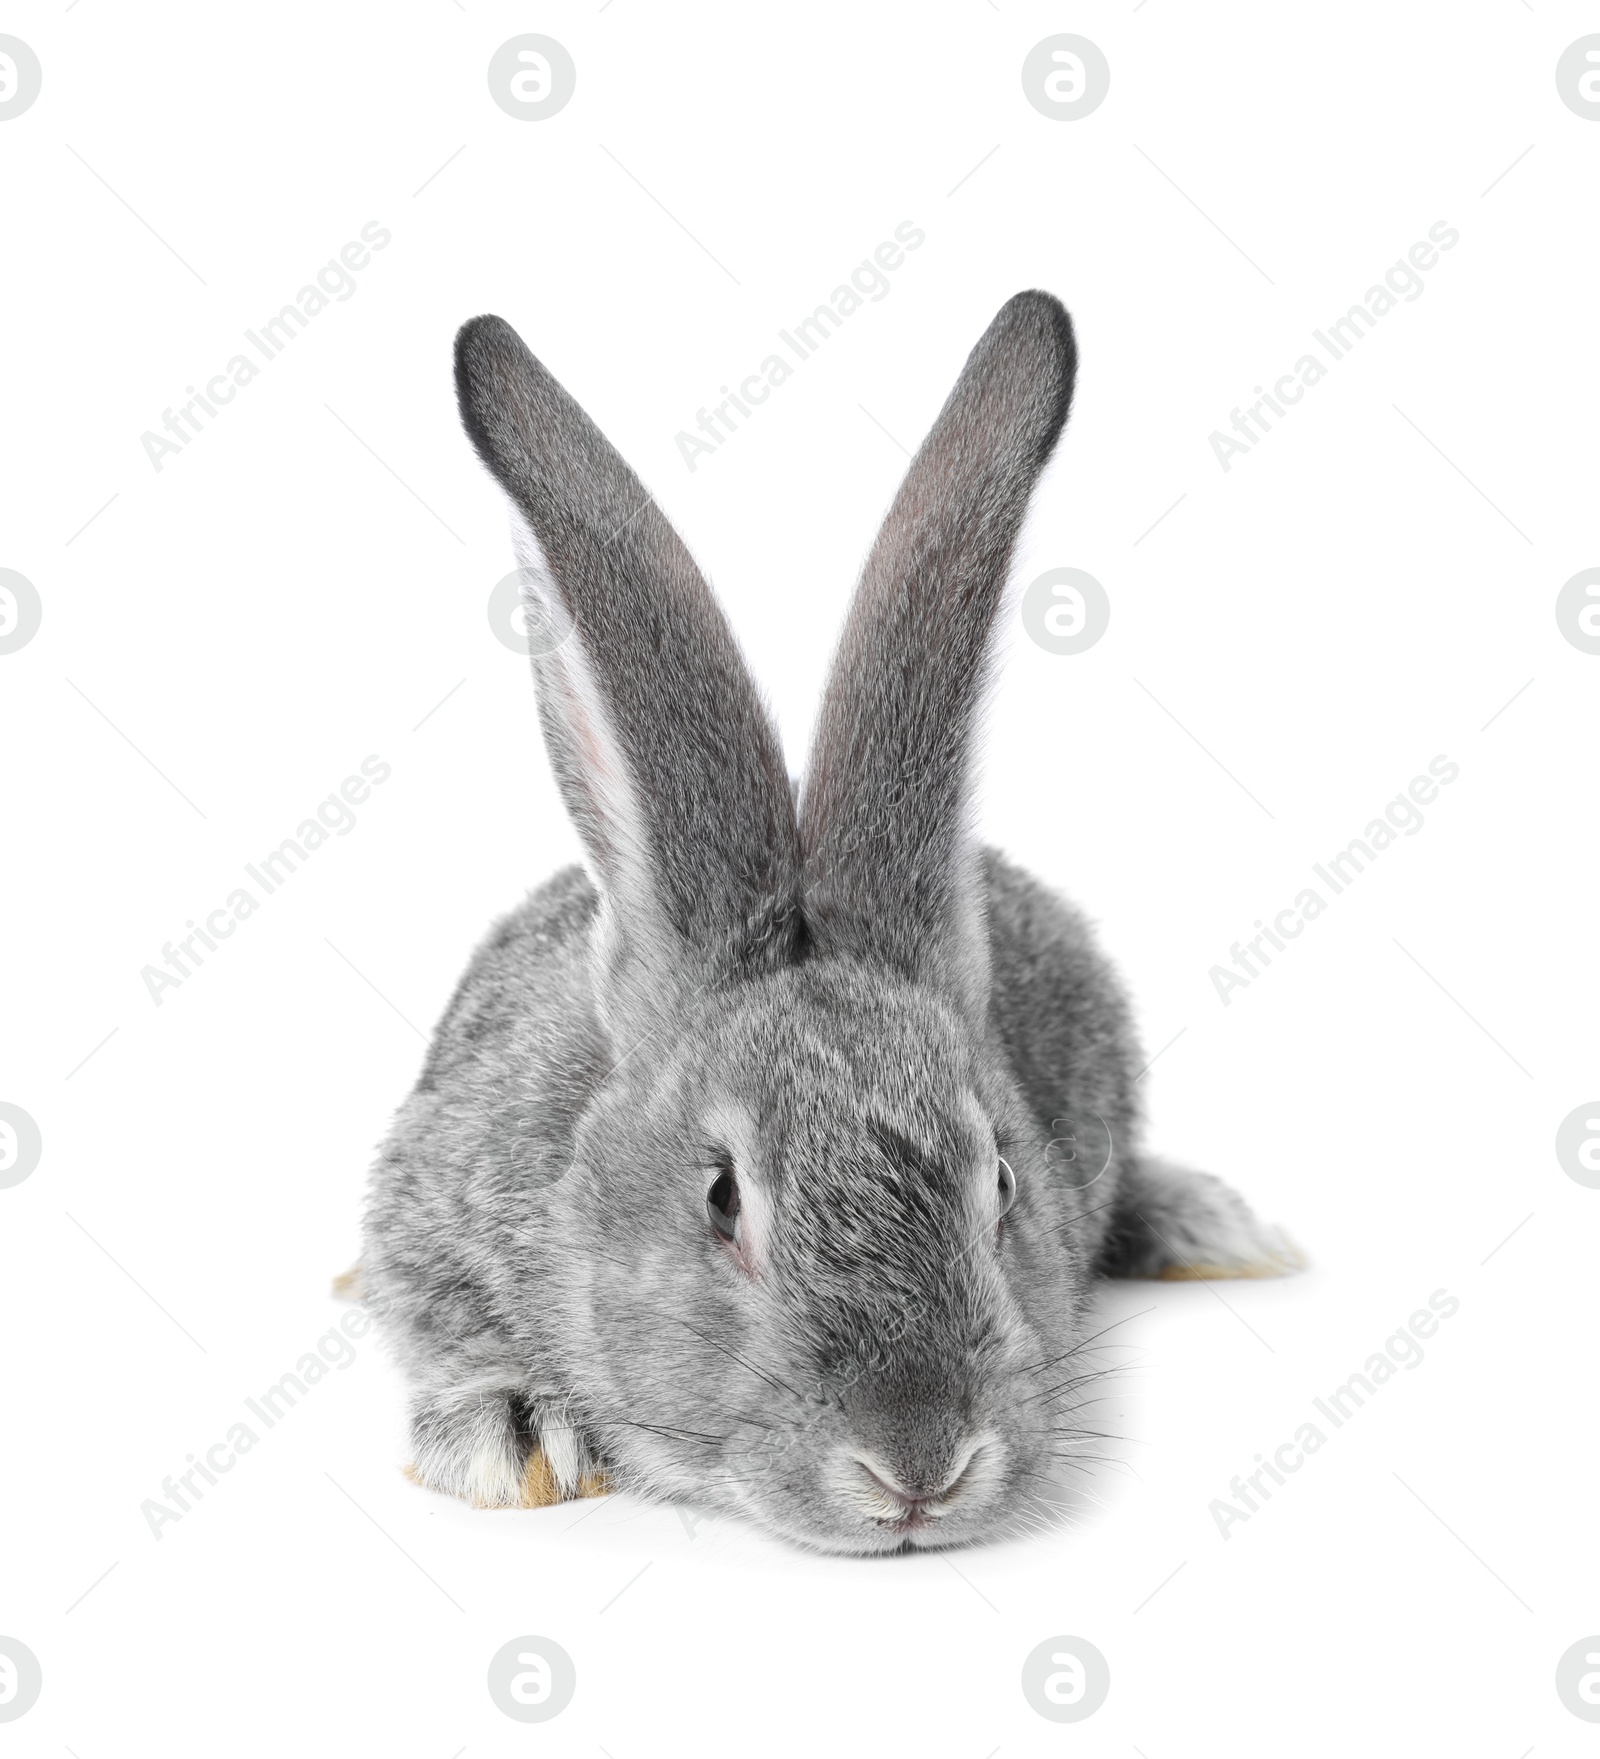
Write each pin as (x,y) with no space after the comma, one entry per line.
(914,1495)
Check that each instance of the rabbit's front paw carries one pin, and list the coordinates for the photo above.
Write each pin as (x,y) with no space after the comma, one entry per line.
(541,1486)
(470,1444)
(481,1445)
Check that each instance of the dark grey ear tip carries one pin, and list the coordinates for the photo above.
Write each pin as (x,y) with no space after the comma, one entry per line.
(1039,319)
(485,348)
(486,331)
(1031,340)
(1041,307)
(491,360)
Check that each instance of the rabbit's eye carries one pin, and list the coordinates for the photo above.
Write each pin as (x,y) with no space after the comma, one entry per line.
(722,1202)
(1008,1185)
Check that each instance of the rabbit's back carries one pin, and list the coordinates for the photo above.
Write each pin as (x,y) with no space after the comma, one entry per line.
(453,1235)
(1064,1021)
(530,970)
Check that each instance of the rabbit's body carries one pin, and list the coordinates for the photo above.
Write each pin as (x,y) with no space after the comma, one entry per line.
(772,1166)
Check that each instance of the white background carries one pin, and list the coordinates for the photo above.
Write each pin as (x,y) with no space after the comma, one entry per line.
(229,637)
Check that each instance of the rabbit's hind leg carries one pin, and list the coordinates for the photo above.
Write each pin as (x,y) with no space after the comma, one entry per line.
(1182,1226)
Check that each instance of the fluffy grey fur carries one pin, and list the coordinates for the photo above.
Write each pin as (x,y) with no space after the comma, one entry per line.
(877,1029)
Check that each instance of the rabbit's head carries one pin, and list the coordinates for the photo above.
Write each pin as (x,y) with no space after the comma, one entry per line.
(800,1258)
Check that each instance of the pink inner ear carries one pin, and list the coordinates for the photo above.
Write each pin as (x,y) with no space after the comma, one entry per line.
(597,772)
(585,735)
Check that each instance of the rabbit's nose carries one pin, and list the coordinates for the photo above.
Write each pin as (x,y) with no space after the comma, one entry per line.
(907,1494)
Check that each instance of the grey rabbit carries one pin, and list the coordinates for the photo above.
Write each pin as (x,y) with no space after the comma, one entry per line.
(767,1161)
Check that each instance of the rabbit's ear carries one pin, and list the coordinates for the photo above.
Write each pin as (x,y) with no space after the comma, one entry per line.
(891,871)
(668,762)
